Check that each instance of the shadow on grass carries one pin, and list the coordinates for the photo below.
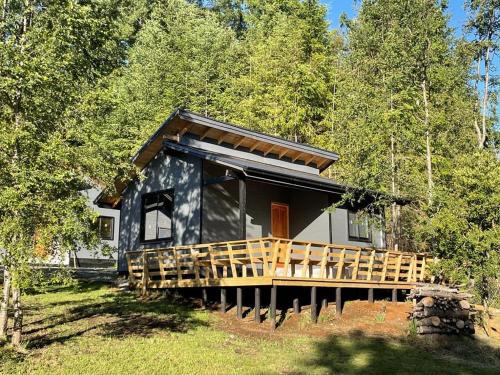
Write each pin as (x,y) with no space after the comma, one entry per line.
(117,314)
(357,353)
(78,287)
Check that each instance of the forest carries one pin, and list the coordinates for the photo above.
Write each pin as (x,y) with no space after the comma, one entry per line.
(408,103)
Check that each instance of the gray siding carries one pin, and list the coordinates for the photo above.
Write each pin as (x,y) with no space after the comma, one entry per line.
(307,216)
(181,173)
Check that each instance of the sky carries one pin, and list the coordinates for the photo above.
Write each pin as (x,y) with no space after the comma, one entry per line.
(337,7)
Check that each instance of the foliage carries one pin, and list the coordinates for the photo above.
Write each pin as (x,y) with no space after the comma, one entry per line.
(394,92)
(463,228)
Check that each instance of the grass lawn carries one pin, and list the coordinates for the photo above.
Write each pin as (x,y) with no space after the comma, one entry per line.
(95,329)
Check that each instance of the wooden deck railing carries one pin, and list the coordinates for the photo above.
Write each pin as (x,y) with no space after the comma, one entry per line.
(265,258)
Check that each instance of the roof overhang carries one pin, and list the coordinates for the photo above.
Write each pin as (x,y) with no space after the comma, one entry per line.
(182,122)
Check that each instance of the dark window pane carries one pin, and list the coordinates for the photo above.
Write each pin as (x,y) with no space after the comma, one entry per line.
(353,227)
(165,216)
(106,227)
(157,216)
(363,227)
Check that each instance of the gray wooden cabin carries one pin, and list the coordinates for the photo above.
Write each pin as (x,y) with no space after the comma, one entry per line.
(229,211)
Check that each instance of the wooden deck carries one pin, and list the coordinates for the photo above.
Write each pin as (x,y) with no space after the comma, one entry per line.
(275,262)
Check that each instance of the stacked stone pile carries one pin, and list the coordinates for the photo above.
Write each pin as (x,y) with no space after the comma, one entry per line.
(442,310)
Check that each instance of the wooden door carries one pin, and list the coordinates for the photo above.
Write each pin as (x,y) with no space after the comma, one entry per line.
(279,220)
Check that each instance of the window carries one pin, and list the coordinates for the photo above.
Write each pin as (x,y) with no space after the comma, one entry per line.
(156,219)
(106,226)
(359,229)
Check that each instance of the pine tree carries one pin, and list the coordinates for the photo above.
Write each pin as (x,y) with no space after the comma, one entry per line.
(283,88)
(182,57)
(402,92)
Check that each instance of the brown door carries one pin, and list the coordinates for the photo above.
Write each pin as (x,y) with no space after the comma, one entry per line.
(279,220)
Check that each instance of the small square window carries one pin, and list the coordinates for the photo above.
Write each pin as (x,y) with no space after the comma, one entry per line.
(106,225)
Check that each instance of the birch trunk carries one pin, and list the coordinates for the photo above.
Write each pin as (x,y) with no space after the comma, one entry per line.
(18,317)
(479,133)
(485,95)
(394,211)
(4,307)
(428,153)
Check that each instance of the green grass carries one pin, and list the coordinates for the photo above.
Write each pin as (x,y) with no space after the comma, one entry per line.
(92,329)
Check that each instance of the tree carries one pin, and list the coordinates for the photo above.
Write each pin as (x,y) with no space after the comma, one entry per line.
(402,102)
(52,54)
(182,57)
(283,87)
(463,229)
(484,25)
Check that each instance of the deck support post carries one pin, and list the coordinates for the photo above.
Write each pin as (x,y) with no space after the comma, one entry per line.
(257,305)
(338,301)
(314,309)
(324,303)
(242,193)
(223,300)
(394,295)
(272,306)
(370,295)
(204,297)
(239,303)
(296,306)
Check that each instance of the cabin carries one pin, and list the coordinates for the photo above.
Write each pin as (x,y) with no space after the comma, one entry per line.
(221,208)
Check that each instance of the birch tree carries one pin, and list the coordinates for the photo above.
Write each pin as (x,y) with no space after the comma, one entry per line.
(51,54)
(484,26)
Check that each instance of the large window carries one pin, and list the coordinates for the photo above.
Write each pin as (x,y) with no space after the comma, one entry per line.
(156,216)
(359,228)
(106,227)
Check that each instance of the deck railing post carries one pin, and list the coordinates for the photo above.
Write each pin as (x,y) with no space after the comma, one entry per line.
(314,308)
(239,303)
(257,305)
(145,272)
(272,307)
